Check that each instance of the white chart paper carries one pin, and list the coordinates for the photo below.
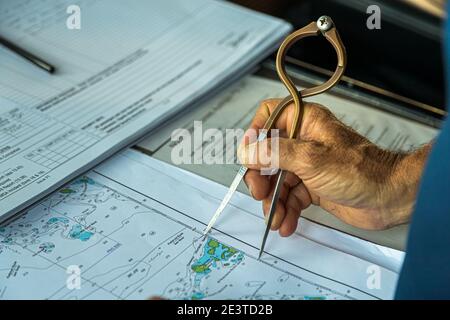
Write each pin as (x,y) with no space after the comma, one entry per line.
(133,227)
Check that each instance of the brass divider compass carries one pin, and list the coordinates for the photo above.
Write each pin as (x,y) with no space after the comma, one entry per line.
(324,26)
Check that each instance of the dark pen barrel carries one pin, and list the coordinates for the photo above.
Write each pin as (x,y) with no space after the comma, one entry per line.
(27,55)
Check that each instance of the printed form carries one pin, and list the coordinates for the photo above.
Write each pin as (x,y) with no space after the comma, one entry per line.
(131,66)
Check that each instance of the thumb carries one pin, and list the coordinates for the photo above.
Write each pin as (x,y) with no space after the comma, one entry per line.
(280,153)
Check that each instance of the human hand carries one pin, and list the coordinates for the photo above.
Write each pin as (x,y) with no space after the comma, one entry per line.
(330,165)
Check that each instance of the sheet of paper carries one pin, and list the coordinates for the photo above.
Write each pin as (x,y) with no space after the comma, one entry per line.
(129,67)
(236,106)
(133,227)
(233,108)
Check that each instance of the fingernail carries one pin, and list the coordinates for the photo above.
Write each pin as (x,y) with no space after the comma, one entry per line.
(247,154)
(251,191)
(250,136)
(266,219)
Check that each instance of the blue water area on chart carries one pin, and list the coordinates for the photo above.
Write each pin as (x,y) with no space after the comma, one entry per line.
(78,232)
(84,180)
(54,220)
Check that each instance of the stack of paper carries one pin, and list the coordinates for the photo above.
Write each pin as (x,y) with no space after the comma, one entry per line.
(130,66)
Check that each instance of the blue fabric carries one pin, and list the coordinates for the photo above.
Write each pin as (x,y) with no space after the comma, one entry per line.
(426,270)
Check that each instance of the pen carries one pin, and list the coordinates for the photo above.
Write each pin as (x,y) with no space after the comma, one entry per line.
(26,55)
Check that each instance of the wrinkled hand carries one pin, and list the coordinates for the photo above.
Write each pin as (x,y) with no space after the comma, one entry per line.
(330,165)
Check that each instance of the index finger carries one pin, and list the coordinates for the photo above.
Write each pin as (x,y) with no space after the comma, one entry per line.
(263,113)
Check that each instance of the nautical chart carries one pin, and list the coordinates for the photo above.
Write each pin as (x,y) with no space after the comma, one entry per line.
(130,246)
